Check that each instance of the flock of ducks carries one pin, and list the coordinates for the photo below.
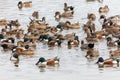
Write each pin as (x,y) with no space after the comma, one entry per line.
(39,31)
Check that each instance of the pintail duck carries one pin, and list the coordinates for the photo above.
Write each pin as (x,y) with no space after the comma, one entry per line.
(68,8)
(67,14)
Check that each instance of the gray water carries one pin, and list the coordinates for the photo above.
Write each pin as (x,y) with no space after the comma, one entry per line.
(73,64)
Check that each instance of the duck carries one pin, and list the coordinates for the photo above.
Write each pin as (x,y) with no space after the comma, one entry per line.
(107,62)
(68,8)
(67,14)
(91,16)
(91,52)
(104,9)
(42,62)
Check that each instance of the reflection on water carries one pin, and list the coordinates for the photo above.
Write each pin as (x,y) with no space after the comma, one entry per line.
(73,64)
(42,69)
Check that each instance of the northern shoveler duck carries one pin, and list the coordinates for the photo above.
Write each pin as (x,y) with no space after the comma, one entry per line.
(42,62)
(107,63)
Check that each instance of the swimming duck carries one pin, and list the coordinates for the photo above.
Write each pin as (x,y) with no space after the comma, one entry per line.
(107,63)
(42,62)
(104,9)
(91,52)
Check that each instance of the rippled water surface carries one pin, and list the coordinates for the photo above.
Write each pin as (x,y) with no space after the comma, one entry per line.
(73,64)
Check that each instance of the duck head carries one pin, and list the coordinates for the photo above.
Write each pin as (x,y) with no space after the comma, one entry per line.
(41,59)
(91,45)
(100,59)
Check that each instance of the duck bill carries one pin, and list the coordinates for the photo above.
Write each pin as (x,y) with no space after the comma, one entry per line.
(37,63)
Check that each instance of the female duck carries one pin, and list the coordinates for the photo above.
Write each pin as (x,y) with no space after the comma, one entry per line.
(104,9)
(67,14)
(68,8)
